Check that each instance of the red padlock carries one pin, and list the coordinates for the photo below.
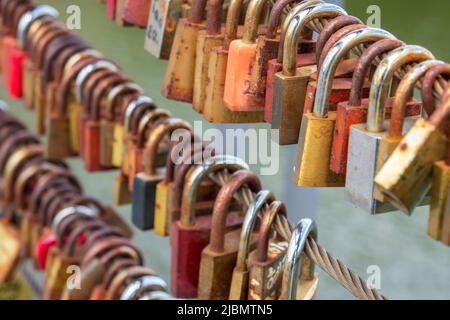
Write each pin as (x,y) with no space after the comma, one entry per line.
(191,234)
(111,9)
(136,12)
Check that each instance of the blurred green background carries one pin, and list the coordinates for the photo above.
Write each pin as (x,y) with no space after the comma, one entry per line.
(411,264)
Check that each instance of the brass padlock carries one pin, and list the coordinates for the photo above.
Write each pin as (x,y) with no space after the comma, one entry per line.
(144,188)
(289,86)
(266,262)
(312,167)
(178,81)
(219,257)
(240,278)
(206,40)
(362,162)
(404,93)
(214,109)
(299,280)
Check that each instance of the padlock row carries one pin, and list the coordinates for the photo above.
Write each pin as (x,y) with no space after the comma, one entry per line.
(47,218)
(346,99)
(210,209)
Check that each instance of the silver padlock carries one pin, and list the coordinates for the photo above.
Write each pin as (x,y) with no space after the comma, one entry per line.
(364,141)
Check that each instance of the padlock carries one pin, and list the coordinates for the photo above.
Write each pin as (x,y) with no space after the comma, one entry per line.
(206,40)
(118,18)
(292,81)
(10,248)
(87,79)
(111,150)
(178,81)
(136,12)
(169,191)
(219,257)
(111,8)
(299,280)
(190,235)
(240,278)
(267,45)
(143,286)
(144,120)
(93,129)
(265,264)
(354,111)
(63,124)
(144,188)
(362,162)
(312,167)
(162,23)
(132,105)
(399,122)
(214,109)
(241,57)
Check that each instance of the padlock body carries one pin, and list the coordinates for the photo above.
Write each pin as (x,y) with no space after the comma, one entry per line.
(111,8)
(266,50)
(144,197)
(58,145)
(106,143)
(312,166)
(15,81)
(205,43)
(405,179)
(121,193)
(135,155)
(214,109)
(188,243)
(91,145)
(439,195)
(136,12)
(239,284)
(237,93)
(75,109)
(445,230)
(216,269)
(117,145)
(288,103)
(28,74)
(274,66)
(178,81)
(162,209)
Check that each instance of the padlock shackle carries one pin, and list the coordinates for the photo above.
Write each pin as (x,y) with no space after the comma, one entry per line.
(332,27)
(55,207)
(131,108)
(9,146)
(197,11)
(263,197)
(55,194)
(44,42)
(223,202)
(18,14)
(123,251)
(232,22)
(405,93)
(73,60)
(41,36)
(113,269)
(292,13)
(338,35)
(107,232)
(123,276)
(365,61)
(333,59)
(214,17)
(145,112)
(29,172)
(196,176)
(383,77)
(66,224)
(278,9)
(82,228)
(428,83)
(117,91)
(167,127)
(30,17)
(253,15)
(442,113)
(147,121)
(294,264)
(67,212)
(90,202)
(142,285)
(296,27)
(265,231)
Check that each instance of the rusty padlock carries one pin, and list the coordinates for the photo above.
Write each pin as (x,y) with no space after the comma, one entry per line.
(219,257)
(190,235)
(214,109)
(362,162)
(144,188)
(178,81)
(312,167)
